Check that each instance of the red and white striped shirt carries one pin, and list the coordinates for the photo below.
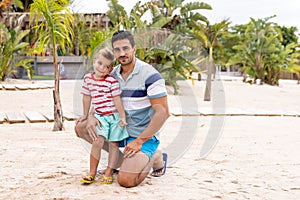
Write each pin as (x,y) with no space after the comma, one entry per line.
(102,93)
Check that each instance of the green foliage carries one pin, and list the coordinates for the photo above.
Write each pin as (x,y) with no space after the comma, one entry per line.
(10,45)
(99,40)
(26,64)
(260,51)
(294,58)
(118,15)
(189,16)
(210,35)
(81,35)
(289,35)
(171,54)
(55,28)
(18,4)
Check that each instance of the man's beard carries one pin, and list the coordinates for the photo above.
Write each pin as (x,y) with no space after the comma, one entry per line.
(130,60)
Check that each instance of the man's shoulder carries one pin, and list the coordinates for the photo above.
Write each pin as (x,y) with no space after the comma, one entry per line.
(115,71)
(143,64)
(146,68)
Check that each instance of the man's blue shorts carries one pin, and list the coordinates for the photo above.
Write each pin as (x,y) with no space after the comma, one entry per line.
(149,147)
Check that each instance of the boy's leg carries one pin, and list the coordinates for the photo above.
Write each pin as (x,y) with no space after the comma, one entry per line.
(81,132)
(115,158)
(95,155)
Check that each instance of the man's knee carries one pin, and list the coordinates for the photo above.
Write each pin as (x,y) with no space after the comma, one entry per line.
(79,129)
(126,180)
(76,131)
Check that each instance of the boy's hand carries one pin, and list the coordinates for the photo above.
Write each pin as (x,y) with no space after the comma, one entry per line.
(123,122)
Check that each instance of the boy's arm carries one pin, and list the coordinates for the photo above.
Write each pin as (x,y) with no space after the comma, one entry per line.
(86,101)
(120,108)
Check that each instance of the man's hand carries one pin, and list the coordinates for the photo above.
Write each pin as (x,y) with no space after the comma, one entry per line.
(91,127)
(81,119)
(133,147)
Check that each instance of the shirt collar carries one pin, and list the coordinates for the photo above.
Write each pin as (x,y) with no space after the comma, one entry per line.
(136,68)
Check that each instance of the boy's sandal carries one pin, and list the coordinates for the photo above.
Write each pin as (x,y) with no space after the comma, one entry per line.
(88,179)
(106,180)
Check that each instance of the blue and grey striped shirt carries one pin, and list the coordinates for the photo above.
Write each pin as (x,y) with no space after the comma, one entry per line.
(144,83)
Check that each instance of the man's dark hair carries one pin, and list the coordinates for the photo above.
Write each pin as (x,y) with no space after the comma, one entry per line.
(121,35)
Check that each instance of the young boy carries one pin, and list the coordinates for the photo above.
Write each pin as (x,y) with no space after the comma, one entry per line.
(103,91)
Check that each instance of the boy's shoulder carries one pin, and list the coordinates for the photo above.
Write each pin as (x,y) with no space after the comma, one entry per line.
(88,75)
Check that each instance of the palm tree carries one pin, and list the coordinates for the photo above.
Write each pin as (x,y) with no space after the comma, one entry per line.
(53,24)
(210,36)
(118,15)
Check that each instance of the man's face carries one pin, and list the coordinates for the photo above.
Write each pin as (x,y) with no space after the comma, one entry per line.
(123,51)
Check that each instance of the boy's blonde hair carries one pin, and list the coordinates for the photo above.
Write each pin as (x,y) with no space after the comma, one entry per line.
(106,53)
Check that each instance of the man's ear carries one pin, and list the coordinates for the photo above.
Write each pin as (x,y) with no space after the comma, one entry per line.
(134,49)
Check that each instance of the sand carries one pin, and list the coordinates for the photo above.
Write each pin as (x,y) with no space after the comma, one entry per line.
(255,132)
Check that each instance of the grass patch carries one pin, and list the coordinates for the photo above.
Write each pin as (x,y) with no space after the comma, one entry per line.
(39,77)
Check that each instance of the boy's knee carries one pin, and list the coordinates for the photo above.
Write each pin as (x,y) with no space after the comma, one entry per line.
(99,142)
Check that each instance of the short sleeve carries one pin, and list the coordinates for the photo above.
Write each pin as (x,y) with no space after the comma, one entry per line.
(115,87)
(155,86)
(85,86)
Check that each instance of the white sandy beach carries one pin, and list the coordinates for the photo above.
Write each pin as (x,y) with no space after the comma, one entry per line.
(255,157)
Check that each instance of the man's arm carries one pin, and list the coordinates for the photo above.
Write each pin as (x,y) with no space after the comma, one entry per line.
(160,106)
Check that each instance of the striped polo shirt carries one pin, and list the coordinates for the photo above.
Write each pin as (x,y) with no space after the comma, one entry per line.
(144,83)
(102,93)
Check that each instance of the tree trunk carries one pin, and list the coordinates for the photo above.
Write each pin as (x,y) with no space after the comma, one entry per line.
(208,80)
(58,114)
(208,83)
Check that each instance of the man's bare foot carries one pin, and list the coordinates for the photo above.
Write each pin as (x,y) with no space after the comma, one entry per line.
(160,171)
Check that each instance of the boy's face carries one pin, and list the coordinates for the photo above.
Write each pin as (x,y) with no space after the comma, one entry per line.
(102,66)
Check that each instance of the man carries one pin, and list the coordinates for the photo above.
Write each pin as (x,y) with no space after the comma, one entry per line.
(144,98)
